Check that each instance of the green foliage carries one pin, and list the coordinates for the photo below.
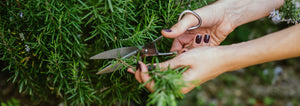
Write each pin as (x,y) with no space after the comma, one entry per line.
(45,45)
(167,86)
(290,11)
(41,48)
(251,101)
(268,101)
(11,102)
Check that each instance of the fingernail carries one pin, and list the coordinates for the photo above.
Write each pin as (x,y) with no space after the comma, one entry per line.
(168,30)
(206,38)
(151,67)
(198,39)
(138,66)
(183,51)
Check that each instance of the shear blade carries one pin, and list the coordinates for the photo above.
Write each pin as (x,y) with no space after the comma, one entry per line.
(114,53)
(110,68)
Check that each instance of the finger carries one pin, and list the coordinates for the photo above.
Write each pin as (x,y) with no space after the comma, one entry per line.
(176,46)
(130,70)
(198,41)
(173,63)
(183,50)
(137,75)
(189,20)
(180,27)
(145,77)
(187,46)
(206,40)
(183,40)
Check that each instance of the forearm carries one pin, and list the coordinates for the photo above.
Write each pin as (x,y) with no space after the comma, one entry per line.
(234,12)
(244,11)
(275,46)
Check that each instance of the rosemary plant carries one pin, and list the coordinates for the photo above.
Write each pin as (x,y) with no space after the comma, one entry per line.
(45,45)
(289,12)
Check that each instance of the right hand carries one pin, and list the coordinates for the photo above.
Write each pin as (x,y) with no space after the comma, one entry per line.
(216,25)
(204,64)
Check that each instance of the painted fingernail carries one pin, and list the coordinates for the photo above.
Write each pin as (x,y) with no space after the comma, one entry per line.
(168,30)
(183,51)
(206,38)
(151,67)
(198,39)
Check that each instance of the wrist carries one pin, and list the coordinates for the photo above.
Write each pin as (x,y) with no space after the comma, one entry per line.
(243,11)
(235,10)
(240,55)
(231,10)
(228,57)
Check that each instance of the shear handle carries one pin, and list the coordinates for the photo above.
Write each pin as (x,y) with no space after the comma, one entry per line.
(151,49)
(169,53)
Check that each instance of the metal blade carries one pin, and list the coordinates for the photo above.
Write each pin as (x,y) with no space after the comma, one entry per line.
(120,52)
(114,53)
(117,66)
(110,68)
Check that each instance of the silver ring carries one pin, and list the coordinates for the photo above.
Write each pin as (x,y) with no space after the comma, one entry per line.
(195,14)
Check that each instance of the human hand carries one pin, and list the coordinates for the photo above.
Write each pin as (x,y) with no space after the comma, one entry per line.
(204,64)
(218,20)
(215,27)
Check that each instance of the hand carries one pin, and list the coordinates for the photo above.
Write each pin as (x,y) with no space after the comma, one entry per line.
(216,25)
(204,64)
(218,20)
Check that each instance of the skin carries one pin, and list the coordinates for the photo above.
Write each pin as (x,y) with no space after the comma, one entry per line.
(218,20)
(207,62)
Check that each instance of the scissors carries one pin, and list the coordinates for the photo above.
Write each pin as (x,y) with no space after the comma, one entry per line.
(126,52)
(147,50)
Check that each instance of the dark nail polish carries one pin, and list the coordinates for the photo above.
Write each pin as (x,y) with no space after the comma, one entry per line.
(206,38)
(151,67)
(198,39)
(183,51)
(138,66)
(168,30)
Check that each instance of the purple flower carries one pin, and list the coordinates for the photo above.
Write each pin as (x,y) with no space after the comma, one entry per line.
(276,17)
(21,14)
(27,48)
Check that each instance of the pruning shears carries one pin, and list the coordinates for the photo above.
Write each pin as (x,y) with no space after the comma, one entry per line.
(126,52)
(146,50)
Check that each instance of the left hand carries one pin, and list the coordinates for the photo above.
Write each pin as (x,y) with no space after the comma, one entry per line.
(216,24)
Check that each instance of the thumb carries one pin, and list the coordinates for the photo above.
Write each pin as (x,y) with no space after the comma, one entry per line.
(180,27)
(210,15)
(173,63)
